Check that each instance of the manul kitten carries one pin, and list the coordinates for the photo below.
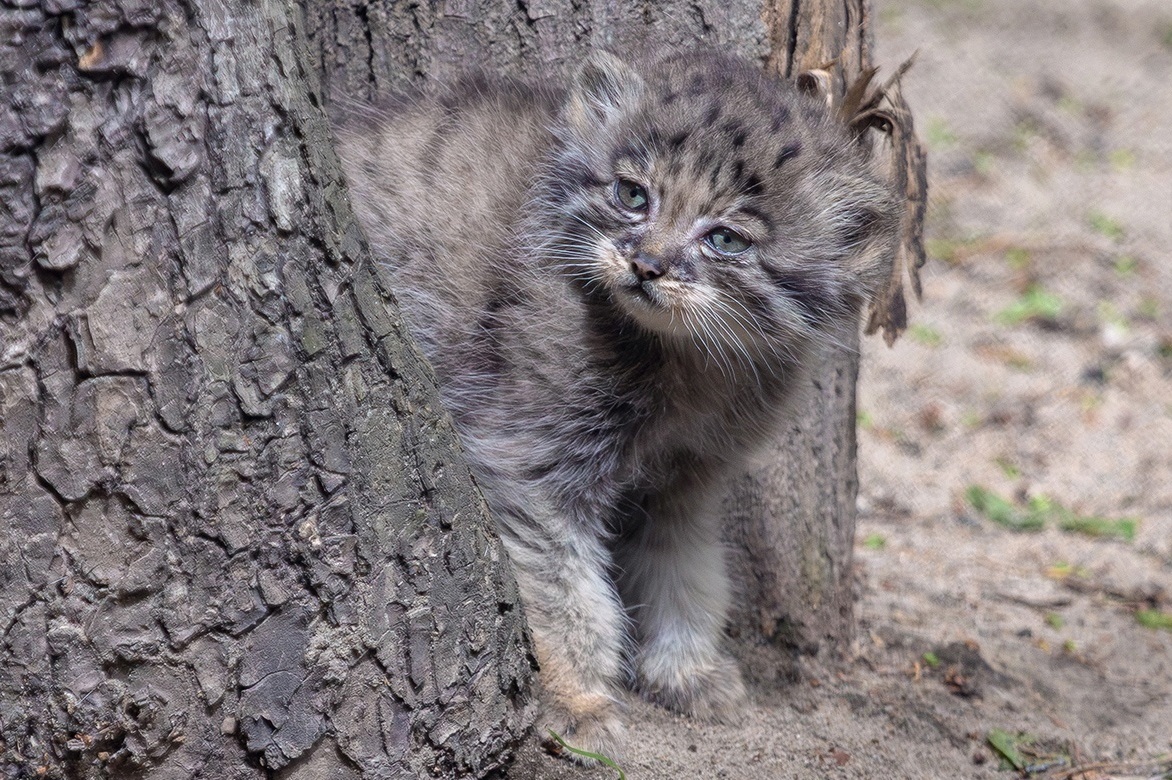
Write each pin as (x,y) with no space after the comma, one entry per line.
(619,283)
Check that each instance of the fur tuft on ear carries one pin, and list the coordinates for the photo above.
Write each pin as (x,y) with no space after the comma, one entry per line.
(603,88)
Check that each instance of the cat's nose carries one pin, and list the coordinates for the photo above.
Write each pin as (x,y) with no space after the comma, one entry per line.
(646,268)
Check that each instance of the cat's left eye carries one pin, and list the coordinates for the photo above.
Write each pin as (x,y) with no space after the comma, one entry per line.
(727,241)
(632,196)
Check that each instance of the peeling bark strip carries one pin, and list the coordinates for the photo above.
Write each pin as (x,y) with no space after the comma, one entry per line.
(236,531)
(883,109)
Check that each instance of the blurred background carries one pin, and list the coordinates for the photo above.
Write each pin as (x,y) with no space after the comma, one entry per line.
(1016,443)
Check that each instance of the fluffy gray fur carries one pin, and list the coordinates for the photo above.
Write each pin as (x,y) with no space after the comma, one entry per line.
(563,255)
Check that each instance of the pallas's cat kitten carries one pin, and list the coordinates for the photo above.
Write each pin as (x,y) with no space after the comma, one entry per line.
(617,283)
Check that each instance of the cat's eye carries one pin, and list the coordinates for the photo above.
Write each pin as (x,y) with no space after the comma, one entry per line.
(727,241)
(630,195)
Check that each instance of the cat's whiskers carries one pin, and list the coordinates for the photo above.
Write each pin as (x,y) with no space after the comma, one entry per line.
(707,345)
(590,225)
(737,344)
(777,350)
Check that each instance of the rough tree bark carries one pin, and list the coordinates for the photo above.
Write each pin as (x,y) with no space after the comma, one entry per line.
(236,531)
(236,534)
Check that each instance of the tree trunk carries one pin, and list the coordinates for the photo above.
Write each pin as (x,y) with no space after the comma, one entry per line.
(237,532)
(238,535)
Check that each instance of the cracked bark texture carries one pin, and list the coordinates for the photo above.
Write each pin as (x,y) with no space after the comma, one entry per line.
(237,538)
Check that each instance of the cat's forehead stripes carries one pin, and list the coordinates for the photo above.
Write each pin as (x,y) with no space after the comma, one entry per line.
(718,161)
(722,128)
(716,187)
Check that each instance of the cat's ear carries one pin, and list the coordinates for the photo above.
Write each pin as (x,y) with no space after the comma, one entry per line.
(604,88)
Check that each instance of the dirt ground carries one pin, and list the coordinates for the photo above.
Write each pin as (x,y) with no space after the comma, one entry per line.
(1039,370)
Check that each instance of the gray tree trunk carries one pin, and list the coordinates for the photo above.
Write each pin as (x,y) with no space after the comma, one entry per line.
(236,534)
(791,523)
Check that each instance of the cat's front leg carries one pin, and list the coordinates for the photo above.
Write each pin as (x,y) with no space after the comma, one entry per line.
(577,622)
(672,577)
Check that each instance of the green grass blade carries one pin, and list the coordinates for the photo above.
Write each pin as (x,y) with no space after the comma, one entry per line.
(1006,746)
(1154,618)
(587,754)
(1123,528)
(1003,512)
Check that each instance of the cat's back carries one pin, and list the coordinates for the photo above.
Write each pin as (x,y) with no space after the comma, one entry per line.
(440,182)
(444,173)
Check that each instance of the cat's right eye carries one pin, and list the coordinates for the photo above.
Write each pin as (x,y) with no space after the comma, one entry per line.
(727,241)
(630,195)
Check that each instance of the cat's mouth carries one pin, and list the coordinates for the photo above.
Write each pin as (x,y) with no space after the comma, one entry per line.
(642,291)
(651,306)
(646,296)
(648,301)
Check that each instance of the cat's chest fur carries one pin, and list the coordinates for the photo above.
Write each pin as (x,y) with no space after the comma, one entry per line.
(587,380)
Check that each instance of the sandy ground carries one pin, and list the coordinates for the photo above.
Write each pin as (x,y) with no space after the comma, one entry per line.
(1039,368)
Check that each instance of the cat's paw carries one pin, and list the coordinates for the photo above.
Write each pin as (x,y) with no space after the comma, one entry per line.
(586,722)
(712,690)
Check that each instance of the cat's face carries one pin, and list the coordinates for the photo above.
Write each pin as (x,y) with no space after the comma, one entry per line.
(708,203)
